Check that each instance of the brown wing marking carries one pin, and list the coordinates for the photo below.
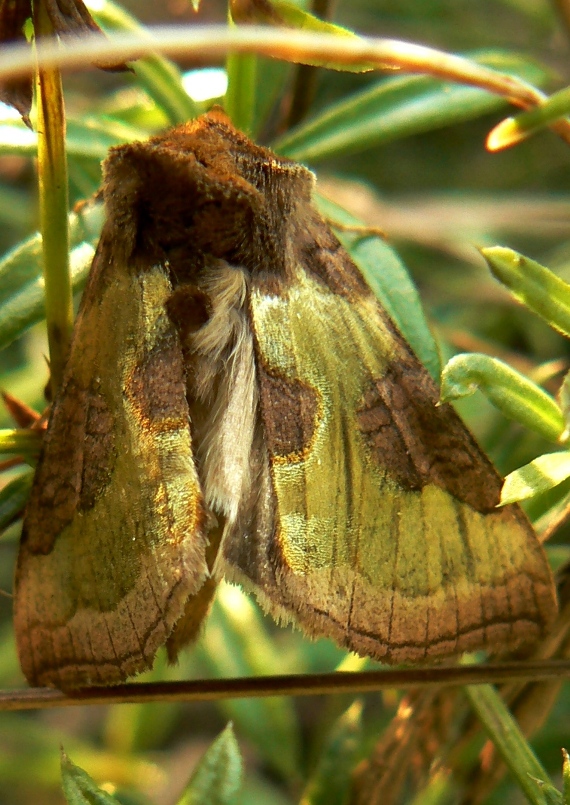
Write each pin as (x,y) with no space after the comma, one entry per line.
(292,413)
(424,443)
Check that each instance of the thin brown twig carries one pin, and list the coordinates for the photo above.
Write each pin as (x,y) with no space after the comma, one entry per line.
(286,685)
(213,42)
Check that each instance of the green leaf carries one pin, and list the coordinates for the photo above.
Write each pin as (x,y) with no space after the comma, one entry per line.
(515,129)
(390,281)
(294,17)
(566,777)
(284,14)
(20,442)
(79,788)
(26,307)
(218,776)
(329,783)
(542,474)
(398,107)
(532,284)
(160,77)
(509,741)
(241,95)
(21,282)
(516,396)
(240,98)
(551,794)
(564,398)
(89,138)
(14,496)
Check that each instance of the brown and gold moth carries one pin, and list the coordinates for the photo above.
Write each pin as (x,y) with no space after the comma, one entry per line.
(238,405)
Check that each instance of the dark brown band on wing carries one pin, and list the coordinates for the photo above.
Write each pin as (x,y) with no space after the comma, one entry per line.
(99,452)
(290,414)
(156,388)
(421,443)
(322,256)
(75,465)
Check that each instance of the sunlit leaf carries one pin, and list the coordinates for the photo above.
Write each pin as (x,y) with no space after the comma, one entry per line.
(217,778)
(532,284)
(516,396)
(79,788)
(540,475)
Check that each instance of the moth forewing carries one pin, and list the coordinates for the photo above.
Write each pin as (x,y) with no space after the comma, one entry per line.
(376,518)
(112,542)
(385,533)
(237,404)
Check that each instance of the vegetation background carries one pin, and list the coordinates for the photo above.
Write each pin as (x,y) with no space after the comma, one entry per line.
(419,170)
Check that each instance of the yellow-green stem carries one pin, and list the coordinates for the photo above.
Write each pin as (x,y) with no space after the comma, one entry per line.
(52,175)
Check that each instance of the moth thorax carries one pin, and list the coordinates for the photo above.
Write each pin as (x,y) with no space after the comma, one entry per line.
(222,391)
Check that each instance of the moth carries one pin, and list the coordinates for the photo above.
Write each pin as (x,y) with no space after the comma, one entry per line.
(238,405)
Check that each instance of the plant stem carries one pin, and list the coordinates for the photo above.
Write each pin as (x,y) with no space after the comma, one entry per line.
(53,196)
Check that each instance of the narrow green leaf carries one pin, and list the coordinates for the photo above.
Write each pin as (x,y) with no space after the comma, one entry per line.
(14,496)
(551,794)
(160,77)
(516,396)
(545,509)
(218,776)
(89,138)
(532,284)
(329,783)
(398,107)
(294,17)
(20,442)
(542,474)
(509,741)
(22,264)
(390,281)
(564,398)
(240,98)
(26,307)
(241,94)
(515,129)
(79,788)
(566,777)
(285,14)
(21,284)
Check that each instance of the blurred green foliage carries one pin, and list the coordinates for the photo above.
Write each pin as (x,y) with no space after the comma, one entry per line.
(410,152)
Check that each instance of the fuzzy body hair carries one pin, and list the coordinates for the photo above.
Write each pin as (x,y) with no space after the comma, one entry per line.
(222,387)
